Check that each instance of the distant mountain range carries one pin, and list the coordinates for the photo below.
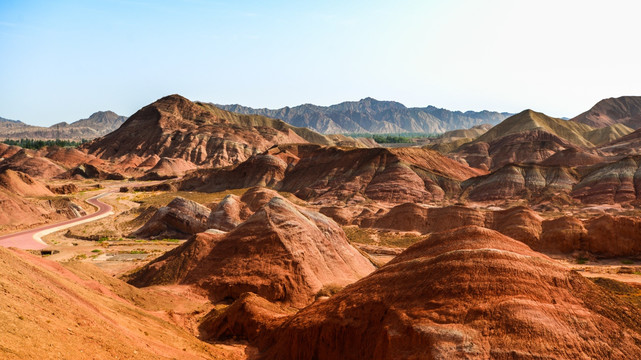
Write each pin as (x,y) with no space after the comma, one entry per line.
(98,124)
(373,116)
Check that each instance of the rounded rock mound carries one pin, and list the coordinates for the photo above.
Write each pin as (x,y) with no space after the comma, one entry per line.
(469,293)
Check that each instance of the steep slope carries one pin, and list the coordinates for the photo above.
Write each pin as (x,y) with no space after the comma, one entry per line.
(624,110)
(327,174)
(7,151)
(49,312)
(175,127)
(469,293)
(22,184)
(372,116)
(283,253)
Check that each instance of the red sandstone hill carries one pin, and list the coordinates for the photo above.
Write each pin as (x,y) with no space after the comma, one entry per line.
(28,162)
(283,253)
(22,184)
(68,157)
(175,127)
(624,110)
(7,151)
(15,187)
(318,173)
(470,293)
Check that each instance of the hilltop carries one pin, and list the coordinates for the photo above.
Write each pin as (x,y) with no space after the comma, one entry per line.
(203,134)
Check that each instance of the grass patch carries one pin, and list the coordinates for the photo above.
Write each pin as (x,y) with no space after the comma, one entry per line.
(398,240)
(581,260)
(381,238)
(329,290)
(162,199)
(620,289)
(96,251)
(360,236)
(627,262)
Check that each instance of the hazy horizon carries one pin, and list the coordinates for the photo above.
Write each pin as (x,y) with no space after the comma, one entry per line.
(65,60)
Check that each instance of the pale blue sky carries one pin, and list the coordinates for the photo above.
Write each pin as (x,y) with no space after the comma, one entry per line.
(63,60)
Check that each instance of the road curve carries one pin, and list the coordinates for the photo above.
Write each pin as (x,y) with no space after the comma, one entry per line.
(32,239)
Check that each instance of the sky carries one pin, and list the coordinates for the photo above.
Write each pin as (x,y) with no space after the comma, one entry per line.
(63,60)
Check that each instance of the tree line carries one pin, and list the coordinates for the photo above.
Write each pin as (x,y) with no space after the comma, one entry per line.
(36,144)
(394,138)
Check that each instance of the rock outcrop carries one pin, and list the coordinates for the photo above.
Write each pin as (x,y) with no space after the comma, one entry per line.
(88,171)
(233,210)
(180,218)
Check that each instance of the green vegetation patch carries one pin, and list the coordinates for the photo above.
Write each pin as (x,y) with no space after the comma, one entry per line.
(381,238)
(39,144)
(621,289)
(162,199)
(400,138)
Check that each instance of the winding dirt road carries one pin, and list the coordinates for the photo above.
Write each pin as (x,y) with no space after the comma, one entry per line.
(32,239)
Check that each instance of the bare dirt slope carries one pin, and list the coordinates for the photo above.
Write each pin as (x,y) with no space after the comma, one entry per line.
(49,312)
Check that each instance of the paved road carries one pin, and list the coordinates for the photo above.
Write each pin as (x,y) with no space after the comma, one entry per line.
(31,239)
